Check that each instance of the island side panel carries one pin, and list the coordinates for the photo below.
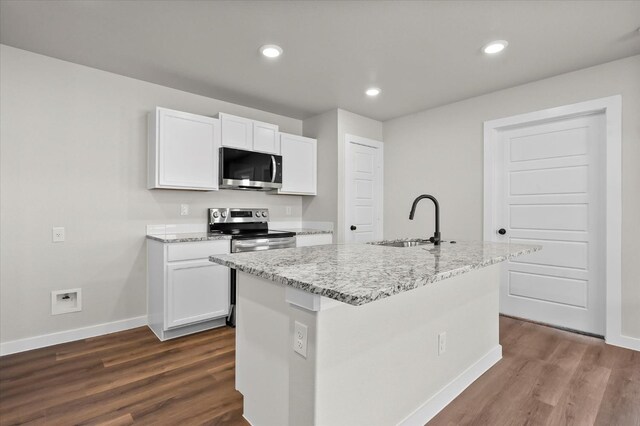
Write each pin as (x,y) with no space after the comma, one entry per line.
(374,364)
(378,363)
(262,350)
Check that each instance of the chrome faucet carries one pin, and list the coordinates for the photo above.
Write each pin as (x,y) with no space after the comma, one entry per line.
(436,235)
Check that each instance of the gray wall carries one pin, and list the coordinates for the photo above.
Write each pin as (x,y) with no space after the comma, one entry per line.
(323,207)
(73,148)
(329,128)
(440,151)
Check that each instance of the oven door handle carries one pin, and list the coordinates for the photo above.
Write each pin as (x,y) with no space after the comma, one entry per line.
(262,244)
(273,168)
(285,242)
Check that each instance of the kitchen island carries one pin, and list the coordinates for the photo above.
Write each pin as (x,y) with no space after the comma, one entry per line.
(360,334)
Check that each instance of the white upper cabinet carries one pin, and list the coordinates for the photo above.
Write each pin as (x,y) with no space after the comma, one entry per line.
(299,165)
(265,138)
(183,150)
(237,132)
(250,135)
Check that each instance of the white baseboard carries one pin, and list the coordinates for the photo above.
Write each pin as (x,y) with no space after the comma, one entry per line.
(436,403)
(45,340)
(627,342)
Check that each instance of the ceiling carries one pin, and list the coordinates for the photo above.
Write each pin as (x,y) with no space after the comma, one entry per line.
(421,54)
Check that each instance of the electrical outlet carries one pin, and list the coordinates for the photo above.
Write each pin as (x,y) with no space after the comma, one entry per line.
(442,343)
(57,234)
(184,209)
(66,301)
(300,339)
(288,210)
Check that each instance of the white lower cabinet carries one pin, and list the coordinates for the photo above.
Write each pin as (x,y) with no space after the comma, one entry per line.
(187,293)
(313,240)
(197,291)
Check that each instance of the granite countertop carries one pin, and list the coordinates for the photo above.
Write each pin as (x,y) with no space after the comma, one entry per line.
(304,231)
(361,273)
(187,237)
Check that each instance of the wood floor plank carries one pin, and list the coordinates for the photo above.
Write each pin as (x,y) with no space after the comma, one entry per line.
(580,403)
(138,352)
(550,377)
(112,342)
(558,372)
(100,379)
(620,402)
(135,396)
(546,377)
(193,406)
(120,420)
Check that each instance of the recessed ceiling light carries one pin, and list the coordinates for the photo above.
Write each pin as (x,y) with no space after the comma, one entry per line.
(373,91)
(271,50)
(495,47)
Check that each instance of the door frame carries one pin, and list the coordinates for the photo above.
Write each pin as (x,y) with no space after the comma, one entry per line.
(611,107)
(359,140)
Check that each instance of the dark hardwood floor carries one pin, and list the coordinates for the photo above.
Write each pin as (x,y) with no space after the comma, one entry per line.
(124,378)
(551,377)
(547,377)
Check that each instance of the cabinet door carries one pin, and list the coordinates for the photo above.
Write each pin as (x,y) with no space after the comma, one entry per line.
(196,291)
(298,165)
(187,150)
(265,138)
(237,132)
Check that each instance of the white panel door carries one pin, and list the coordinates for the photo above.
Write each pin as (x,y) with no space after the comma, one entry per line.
(196,291)
(265,138)
(236,132)
(548,192)
(363,189)
(188,150)
(299,165)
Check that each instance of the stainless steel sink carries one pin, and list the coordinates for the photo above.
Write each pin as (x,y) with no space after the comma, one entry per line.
(405,243)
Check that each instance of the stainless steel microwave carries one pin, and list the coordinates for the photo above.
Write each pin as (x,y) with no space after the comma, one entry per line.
(256,171)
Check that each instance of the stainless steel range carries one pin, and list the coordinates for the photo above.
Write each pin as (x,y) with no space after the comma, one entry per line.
(249,230)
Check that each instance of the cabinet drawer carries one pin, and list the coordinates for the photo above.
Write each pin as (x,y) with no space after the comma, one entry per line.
(196,250)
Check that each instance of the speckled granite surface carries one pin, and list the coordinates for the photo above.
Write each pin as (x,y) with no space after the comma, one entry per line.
(203,236)
(362,273)
(304,231)
(188,237)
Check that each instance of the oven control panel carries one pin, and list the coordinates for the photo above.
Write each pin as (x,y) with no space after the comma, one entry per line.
(218,215)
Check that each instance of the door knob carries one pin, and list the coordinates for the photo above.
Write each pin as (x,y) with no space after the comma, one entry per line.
(502,231)
(353,227)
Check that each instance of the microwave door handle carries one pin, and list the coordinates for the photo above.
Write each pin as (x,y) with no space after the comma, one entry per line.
(273,168)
